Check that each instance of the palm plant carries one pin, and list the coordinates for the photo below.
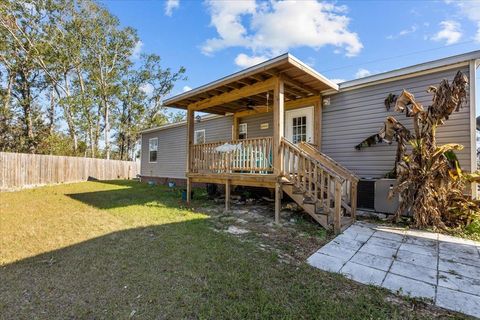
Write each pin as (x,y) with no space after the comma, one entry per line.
(431,184)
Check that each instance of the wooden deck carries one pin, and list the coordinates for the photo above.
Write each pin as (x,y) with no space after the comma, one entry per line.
(323,188)
(326,191)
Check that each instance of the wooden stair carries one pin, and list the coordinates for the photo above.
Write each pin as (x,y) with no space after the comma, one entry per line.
(324,189)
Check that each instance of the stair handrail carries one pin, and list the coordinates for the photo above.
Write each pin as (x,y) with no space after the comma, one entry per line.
(332,173)
(332,164)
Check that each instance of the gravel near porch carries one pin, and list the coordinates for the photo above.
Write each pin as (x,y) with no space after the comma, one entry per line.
(433,266)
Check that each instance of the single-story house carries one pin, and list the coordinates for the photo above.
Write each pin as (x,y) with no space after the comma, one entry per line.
(281,124)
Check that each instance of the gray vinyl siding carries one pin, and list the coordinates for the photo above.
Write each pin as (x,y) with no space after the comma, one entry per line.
(253,125)
(172,144)
(355,115)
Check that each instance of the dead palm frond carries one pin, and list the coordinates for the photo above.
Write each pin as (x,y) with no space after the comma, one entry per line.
(431,184)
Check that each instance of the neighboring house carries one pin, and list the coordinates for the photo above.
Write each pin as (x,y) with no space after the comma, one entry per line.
(279,109)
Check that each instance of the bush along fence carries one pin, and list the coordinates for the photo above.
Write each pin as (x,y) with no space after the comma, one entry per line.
(21,170)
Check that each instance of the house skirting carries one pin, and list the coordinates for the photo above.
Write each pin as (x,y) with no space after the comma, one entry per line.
(179,182)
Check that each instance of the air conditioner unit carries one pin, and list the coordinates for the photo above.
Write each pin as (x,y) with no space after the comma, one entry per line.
(382,189)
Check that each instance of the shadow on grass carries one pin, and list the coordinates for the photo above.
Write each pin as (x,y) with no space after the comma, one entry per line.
(136,193)
(178,270)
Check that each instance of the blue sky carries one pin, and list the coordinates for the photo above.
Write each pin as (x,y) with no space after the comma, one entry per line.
(342,40)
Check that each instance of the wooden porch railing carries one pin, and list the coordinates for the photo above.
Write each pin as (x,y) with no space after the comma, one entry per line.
(329,189)
(251,156)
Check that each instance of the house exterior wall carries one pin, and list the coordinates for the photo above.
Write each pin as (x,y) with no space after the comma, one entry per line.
(351,117)
(172,146)
(357,114)
(255,121)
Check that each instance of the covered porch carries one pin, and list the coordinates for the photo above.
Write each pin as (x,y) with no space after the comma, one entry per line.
(290,164)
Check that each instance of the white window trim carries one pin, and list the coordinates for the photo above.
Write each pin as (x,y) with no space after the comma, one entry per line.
(195,136)
(244,125)
(149,140)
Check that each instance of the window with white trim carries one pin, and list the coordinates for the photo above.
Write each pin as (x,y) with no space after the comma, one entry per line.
(242,131)
(199,136)
(152,149)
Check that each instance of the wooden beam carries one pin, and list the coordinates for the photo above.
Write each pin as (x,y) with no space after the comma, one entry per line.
(337,214)
(278,201)
(227,195)
(190,129)
(353,199)
(278,123)
(298,85)
(317,123)
(303,102)
(236,122)
(236,94)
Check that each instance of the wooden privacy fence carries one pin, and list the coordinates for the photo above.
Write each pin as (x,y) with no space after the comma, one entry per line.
(20,170)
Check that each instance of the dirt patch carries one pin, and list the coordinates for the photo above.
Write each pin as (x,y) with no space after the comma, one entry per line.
(294,240)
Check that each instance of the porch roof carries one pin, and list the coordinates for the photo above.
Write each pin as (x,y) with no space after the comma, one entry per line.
(252,87)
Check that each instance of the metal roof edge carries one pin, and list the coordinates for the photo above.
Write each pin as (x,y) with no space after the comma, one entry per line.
(433,64)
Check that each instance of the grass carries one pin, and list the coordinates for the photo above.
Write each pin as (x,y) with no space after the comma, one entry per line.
(123,249)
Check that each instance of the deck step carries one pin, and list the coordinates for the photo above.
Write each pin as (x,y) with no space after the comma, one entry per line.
(309,200)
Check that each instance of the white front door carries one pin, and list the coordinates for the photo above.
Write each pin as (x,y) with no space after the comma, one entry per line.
(299,125)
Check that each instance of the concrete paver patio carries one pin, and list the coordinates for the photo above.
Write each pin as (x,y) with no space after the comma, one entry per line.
(421,264)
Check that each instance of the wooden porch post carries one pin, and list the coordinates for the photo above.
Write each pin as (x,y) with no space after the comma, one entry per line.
(227,194)
(190,128)
(317,123)
(236,121)
(278,132)
(337,216)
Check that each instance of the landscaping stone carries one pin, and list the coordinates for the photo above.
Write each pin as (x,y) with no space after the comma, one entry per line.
(417,259)
(420,264)
(236,230)
(458,301)
(414,271)
(410,287)
(363,274)
(326,262)
(372,260)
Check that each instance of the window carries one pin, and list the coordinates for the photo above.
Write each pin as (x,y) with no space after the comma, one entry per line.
(152,149)
(299,127)
(242,131)
(199,137)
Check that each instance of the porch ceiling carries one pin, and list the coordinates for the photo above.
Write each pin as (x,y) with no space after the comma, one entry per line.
(253,87)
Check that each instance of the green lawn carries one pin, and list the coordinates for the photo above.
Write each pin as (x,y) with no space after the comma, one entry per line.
(124,249)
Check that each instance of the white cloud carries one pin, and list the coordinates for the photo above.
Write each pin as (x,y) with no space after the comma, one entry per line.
(170,5)
(450,32)
(186,88)
(471,10)
(338,80)
(137,50)
(361,73)
(402,33)
(147,88)
(270,28)
(245,61)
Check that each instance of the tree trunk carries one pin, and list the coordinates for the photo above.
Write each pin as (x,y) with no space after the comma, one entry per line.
(107,128)
(27,111)
(51,112)
(69,117)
